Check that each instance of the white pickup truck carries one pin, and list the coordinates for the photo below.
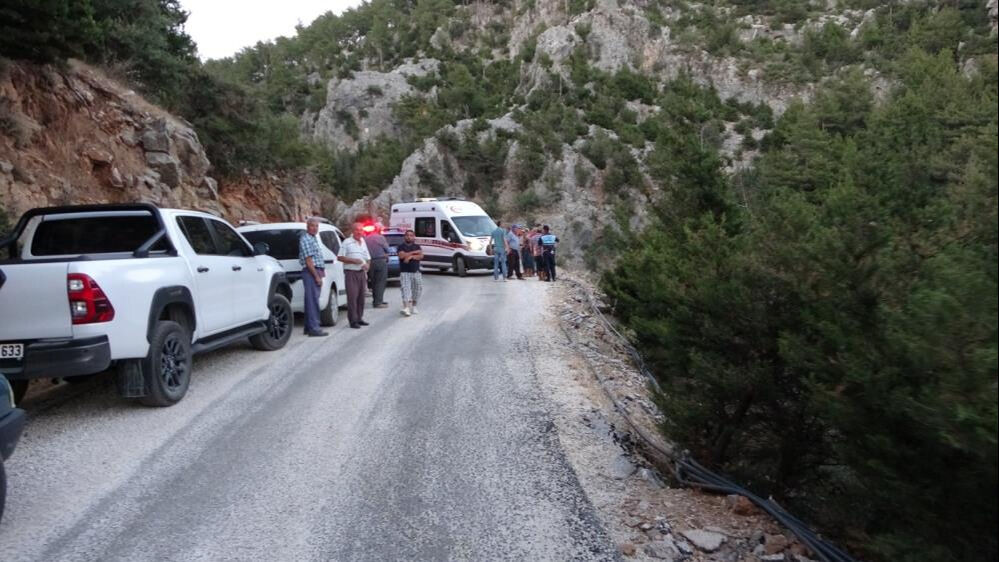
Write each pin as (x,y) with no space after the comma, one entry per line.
(84,288)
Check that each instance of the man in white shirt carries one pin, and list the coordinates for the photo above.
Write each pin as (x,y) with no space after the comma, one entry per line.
(356,261)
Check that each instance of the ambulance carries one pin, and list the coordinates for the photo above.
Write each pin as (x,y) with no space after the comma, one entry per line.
(453,233)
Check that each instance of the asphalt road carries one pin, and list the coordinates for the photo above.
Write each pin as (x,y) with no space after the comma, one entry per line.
(415,438)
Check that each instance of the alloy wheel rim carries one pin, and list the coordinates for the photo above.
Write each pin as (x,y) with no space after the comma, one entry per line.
(278,322)
(173,362)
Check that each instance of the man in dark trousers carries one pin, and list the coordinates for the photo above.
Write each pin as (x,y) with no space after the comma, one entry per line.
(410,278)
(513,253)
(378,274)
(548,242)
(313,271)
(356,259)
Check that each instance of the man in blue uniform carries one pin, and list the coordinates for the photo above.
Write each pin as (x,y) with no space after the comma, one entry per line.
(548,242)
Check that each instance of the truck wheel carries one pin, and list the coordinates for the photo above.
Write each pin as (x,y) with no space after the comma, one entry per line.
(3,488)
(166,370)
(279,326)
(20,388)
(459,266)
(328,315)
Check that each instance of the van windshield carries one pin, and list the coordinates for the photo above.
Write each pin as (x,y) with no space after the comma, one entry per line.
(474,226)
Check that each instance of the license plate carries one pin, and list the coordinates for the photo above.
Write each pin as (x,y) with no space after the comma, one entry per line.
(11,350)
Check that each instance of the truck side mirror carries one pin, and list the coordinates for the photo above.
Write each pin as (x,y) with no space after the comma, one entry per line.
(261,249)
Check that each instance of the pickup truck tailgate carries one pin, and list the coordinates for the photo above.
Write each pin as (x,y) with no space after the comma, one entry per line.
(34,302)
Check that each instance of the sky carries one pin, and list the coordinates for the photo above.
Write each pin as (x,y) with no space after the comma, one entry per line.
(222,27)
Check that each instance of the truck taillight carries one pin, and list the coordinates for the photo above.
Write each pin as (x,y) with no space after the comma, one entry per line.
(87,302)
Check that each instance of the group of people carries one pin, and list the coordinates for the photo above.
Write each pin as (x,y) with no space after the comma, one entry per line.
(360,255)
(516,246)
(365,262)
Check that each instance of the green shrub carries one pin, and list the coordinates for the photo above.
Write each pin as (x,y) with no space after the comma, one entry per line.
(832,338)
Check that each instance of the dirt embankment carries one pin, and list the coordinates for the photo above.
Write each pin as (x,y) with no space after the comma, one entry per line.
(73,135)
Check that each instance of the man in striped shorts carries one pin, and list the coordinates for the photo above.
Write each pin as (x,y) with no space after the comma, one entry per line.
(410,278)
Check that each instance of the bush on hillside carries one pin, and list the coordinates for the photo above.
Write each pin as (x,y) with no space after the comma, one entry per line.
(829,332)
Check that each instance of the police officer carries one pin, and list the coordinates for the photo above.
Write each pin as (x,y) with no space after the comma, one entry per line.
(548,242)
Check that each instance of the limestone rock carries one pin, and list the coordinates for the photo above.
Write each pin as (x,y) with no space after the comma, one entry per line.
(359,109)
(775,543)
(707,541)
(661,550)
(166,165)
(156,138)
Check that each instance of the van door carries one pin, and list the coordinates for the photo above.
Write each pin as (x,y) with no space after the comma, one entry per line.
(434,250)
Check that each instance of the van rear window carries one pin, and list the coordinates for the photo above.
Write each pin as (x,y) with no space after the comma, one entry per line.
(94,235)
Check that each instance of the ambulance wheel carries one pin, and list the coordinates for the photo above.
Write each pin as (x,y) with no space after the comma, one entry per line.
(459,266)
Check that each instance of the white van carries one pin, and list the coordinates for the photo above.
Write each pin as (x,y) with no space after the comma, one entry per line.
(454,233)
(282,239)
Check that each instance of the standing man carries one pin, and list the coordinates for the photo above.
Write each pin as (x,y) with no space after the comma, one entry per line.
(548,242)
(410,278)
(313,271)
(378,249)
(356,259)
(513,252)
(539,263)
(499,251)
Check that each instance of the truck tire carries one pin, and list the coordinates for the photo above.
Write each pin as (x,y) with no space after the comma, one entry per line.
(166,369)
(3,489)
(279,325)
(328,316)
(20,388)
(459,266)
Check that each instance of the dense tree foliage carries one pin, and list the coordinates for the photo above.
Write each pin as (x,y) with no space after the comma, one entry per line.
(832,336)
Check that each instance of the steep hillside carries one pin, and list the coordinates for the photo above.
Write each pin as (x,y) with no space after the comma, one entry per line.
(571,112)
(71,135)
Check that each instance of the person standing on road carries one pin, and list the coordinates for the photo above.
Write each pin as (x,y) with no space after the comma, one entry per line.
(526,253)
(499,251)
(410,278)
(313,271)
(539,260)
(548,242)
(356,261)
(378,249)
(513,252)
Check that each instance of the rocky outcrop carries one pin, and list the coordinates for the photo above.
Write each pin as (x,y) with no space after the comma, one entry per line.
(569,191)
(73,136)
(359,109)
(617,37)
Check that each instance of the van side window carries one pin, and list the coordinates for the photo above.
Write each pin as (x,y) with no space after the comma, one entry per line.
(426,227)
(448,233)
(330,241)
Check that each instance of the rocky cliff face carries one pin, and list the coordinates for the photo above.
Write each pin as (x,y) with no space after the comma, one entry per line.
(359,109)
(569,194)
(73,136)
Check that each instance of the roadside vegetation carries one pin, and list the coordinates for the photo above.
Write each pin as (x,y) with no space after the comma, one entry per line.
(825,325)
